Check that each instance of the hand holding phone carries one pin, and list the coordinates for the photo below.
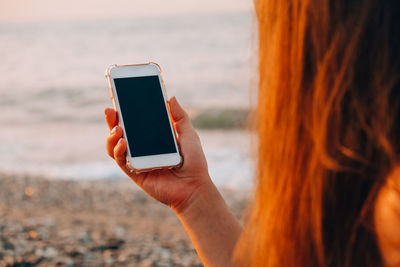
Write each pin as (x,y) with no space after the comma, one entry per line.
(187,189)
(171,186)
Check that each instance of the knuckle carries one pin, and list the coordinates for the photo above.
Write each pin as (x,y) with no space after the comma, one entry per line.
(115,153)
(109,138)
(120,161)
(119,130)
(183,124)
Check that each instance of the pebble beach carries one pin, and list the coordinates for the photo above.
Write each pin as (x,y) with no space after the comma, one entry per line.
(52,222)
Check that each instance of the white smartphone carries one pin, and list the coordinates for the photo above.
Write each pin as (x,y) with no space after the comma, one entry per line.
(138,94)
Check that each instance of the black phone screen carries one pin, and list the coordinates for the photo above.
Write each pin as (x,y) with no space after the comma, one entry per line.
(144,116)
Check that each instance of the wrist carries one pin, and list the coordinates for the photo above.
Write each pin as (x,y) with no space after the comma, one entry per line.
(202,190)
(204,199)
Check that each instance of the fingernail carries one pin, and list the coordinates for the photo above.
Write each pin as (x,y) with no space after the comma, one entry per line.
(119,141)
(114,130)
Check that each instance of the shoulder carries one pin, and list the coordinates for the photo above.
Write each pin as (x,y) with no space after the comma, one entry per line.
(387,219)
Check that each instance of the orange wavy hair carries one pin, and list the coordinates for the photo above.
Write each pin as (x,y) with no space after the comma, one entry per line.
(328,130)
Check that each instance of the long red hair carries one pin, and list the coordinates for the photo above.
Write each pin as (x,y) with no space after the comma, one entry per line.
(328,130)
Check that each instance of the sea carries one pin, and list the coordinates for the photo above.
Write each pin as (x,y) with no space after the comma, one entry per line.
(53,90)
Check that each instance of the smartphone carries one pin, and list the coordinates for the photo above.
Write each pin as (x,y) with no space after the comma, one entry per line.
(138,95)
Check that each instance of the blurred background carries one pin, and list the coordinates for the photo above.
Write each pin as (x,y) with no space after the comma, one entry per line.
(53,55)
(53,91)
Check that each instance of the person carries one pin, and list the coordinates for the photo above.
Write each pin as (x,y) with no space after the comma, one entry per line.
(327,187)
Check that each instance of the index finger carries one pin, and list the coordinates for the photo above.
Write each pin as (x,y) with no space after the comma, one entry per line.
(111,117)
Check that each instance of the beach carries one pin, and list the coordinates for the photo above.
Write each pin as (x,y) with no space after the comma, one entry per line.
(63,201)
(54,222)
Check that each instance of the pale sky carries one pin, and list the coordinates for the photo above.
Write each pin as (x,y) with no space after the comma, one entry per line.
(42,10)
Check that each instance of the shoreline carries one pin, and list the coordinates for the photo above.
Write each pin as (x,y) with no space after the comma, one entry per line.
(50,222)
(228,154)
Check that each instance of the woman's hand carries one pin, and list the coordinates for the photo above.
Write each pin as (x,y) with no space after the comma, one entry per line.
(188,190)
(173,187)
(387,219)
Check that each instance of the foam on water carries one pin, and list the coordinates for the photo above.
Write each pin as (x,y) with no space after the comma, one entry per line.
(227,153)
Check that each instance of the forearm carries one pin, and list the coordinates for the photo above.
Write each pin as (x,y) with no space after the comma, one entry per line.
(213,229)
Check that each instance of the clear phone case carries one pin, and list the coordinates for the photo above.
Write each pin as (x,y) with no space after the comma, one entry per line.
(129,165)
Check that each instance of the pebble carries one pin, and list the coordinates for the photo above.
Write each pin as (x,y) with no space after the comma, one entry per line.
(48,222)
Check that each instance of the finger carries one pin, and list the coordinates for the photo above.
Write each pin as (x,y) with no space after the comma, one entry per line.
(120,154)
(120,159)
(182,122)
(112,139)
(111,117)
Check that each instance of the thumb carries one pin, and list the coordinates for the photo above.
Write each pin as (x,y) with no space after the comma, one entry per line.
(180,117)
